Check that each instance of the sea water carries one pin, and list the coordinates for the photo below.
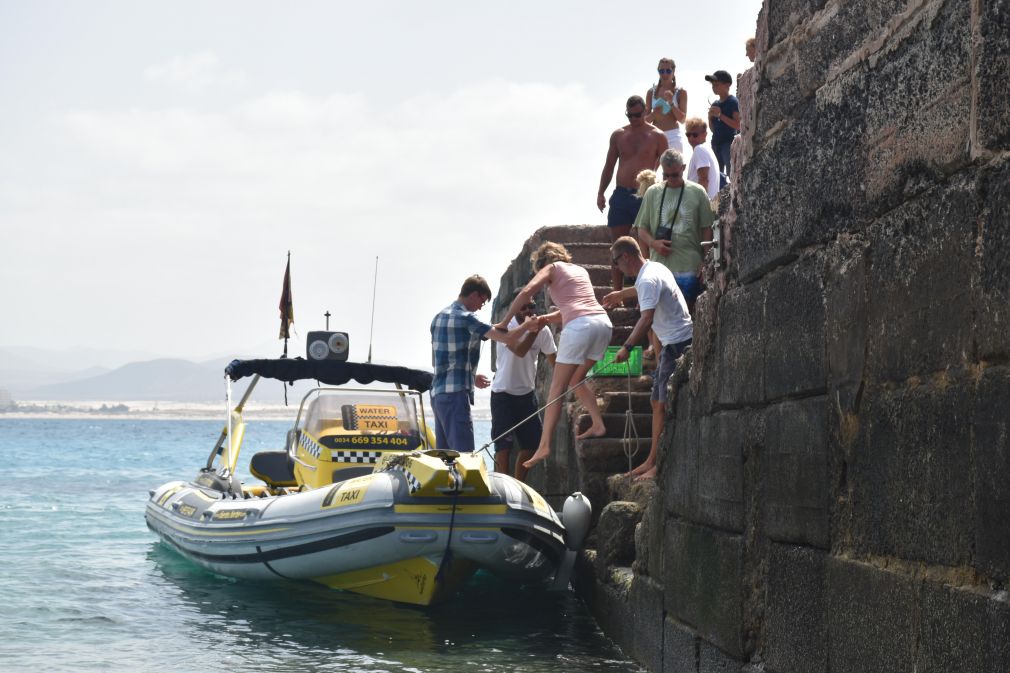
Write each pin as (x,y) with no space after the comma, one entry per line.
(85,586)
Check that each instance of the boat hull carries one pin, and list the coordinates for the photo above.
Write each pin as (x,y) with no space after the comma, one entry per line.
(368,535)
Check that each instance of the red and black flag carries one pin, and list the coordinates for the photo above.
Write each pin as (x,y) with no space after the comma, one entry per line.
(286,306)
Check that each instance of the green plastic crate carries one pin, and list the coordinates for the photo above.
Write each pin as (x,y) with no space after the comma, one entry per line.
(607,366)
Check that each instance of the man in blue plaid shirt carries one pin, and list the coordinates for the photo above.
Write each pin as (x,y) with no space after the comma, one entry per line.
(456,335)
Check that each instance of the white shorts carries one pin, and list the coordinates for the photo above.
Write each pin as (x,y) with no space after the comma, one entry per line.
(585,338)
(675,141)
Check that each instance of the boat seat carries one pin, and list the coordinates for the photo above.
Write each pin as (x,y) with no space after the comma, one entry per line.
(273,467)
(345,473)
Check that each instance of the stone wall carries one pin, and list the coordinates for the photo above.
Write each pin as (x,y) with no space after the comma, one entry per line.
(834,489)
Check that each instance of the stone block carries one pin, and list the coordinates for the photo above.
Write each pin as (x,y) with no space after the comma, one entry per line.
(795,361)
(646,645)
(786,15)
(992,70)
(919,304)
(910,495)
(720,470)
(962,631)
(713,660)
(871,619)
(845,298)
(796,611)
(991,473)
(992,288)
(797,483)
(680,451)
(615,534)
(702,580)
(742,345)
(649,542)
(680,648)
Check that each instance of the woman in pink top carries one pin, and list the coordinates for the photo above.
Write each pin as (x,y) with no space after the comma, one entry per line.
(584,338)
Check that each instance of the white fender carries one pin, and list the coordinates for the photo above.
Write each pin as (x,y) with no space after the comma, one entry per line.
(576,515)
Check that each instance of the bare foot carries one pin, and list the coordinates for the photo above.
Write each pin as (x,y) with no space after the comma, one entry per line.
(540,455)
(648,474)
(593,431)
(641,469)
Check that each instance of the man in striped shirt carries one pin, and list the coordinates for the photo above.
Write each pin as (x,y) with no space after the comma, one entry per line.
(456,335)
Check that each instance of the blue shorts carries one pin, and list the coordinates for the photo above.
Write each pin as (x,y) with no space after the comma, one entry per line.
(667,363)
(453,424)
(689,284)
(624,205)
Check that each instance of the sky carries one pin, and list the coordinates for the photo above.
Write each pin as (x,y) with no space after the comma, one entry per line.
(160,159)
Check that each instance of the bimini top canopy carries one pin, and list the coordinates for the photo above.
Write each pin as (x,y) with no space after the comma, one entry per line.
(330,372)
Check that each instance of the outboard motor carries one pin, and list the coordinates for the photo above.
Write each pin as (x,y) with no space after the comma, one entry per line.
(575,515)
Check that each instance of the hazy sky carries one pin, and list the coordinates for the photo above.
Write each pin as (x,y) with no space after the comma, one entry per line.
(159,159)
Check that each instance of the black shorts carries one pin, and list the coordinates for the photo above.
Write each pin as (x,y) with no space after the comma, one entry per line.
(506,411)
(667,363)
(624,205)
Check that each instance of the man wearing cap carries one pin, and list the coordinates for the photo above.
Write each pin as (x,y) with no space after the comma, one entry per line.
(633,148)
(724,117)
(513,394)
(663,309)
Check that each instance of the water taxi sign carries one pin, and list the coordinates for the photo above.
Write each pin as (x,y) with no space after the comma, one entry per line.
(376,418)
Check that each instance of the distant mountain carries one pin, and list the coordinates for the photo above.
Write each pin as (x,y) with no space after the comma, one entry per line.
(160,380)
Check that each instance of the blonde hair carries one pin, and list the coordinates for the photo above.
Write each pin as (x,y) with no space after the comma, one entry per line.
(548,253)
(645,179)
(695,123)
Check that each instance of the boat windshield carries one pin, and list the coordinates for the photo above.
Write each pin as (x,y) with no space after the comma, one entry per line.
(343,411)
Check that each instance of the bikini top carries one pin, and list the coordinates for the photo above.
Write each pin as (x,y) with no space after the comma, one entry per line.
(662,103)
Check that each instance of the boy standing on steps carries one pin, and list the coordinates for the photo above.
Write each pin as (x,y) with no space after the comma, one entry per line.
(663,309)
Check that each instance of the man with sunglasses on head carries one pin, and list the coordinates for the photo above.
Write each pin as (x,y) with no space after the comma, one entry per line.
(513,393)
(675,219)
(633,148)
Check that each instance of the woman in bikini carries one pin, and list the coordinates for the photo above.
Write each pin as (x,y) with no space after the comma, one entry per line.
(667,105)
(584,339)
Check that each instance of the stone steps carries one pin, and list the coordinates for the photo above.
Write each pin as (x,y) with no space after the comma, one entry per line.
(607,456)
(615,424)
(614,402)
(596,254)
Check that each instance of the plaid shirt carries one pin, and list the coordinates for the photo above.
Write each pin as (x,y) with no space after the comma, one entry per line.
(455,348)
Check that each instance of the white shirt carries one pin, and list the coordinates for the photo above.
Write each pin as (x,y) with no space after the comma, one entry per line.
(657,290)
(515,374)
(702,156)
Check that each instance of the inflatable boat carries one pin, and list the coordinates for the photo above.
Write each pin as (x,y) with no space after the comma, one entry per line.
(360,499)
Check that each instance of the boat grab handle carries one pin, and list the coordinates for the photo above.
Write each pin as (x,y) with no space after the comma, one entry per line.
(418,536)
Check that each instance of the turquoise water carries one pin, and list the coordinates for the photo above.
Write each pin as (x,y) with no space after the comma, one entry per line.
(86,587)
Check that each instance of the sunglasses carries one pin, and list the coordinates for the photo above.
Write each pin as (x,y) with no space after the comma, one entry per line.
(665,71)
(671,176)
(617,259)
(693,134)
(633,115)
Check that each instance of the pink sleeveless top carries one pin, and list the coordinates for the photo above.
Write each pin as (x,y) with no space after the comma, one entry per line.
(572,292)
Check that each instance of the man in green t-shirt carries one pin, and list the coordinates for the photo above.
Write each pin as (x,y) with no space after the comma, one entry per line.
(674,220)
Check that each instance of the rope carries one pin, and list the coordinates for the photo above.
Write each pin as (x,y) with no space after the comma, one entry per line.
(630,431)
(535,413)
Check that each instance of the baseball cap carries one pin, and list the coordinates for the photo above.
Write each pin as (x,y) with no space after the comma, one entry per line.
(720,76)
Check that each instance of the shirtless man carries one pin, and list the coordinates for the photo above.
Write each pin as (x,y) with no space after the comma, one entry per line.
(633,148)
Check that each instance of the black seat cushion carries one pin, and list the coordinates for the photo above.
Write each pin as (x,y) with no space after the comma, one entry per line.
(273,467)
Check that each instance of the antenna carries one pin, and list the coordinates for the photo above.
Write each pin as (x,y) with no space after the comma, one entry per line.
(372,328)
